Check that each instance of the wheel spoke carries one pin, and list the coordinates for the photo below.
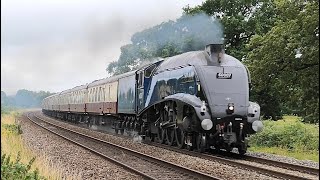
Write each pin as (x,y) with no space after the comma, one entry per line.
(201,142)
(161,135)
(180,138)
(170,136)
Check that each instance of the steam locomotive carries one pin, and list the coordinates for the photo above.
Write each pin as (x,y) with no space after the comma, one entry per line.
(196,100)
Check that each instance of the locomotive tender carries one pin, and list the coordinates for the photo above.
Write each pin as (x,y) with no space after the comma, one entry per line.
(195,100)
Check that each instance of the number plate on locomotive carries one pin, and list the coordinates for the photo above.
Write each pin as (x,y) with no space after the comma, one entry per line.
(224,75)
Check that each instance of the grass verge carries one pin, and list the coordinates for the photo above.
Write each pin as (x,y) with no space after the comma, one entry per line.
(12,144)
(301,155)
(288,137)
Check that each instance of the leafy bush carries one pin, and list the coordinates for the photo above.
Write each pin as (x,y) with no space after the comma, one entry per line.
(17,170)
(290,134)
(13,128)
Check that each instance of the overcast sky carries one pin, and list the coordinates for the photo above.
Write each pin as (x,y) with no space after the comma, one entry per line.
(53,45)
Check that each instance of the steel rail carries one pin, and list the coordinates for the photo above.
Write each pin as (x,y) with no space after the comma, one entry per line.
(189,171)
(269,172)
(229,161)
(304,169)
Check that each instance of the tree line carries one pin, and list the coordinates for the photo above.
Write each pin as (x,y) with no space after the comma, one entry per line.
(24,99)
(277,39)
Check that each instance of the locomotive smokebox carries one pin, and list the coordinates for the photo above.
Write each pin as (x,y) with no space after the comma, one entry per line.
(215,52)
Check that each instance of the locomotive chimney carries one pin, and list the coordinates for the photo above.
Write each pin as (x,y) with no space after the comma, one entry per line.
(215,52)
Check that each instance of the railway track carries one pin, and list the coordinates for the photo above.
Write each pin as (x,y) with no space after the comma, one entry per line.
(271,168)
(147,166)
(266,166)
(303,169)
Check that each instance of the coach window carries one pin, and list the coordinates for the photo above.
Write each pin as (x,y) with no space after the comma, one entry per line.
(88,95)
(109,94)
(77,97)
(95,94)
(140,79)
(92,93)
(103,94)
(82,95)
(99,94)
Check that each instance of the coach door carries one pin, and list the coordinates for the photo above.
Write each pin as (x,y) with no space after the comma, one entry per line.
(140,90)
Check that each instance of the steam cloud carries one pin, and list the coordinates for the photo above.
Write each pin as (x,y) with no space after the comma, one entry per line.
(200,28)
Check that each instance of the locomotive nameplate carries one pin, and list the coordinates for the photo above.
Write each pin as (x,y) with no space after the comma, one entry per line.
(224,75)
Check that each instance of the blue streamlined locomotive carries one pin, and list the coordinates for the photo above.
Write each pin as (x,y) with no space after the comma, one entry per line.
(194,100)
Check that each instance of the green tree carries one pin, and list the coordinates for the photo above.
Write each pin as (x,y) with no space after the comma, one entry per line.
(241,20)
(285,61)
(188,33)
(23,98)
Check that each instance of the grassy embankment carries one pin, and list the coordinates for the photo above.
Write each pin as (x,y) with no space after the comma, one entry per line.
(288,137)
(12,144)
